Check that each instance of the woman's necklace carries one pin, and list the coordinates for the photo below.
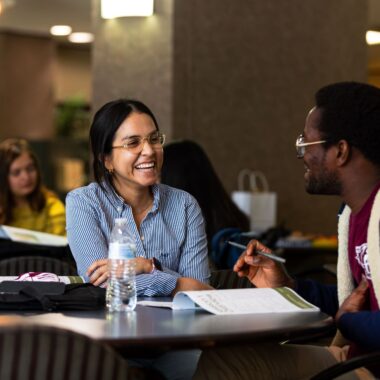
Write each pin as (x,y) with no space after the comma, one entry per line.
(140,214)
(144,209)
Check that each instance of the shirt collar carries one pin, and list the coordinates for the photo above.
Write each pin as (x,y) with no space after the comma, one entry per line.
(119,202)
(156,190)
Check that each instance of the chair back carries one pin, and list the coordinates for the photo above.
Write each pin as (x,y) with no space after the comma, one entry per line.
(228,279)
(17,265)
(224,255)
(370,360)
(49,353)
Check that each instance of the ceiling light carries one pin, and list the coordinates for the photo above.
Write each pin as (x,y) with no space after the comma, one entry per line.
(60,30)
(5,4)
(125,8)
(81,38)
(372,37)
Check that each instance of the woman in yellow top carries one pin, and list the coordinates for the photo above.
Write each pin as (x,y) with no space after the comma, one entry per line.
(24,201)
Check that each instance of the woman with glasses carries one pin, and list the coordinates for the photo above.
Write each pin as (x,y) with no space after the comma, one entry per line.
(24,201)
(167,223)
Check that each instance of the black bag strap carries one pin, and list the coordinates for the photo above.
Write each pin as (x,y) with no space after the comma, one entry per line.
(41,297)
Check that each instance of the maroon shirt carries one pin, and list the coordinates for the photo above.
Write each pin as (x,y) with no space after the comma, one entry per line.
(358,258)
(357,248)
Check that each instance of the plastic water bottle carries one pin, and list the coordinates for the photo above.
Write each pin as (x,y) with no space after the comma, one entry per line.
(121,287)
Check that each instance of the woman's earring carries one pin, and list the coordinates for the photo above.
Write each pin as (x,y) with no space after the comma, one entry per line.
(110,171)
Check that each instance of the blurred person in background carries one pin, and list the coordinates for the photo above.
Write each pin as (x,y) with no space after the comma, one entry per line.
(188,168)
(24,201)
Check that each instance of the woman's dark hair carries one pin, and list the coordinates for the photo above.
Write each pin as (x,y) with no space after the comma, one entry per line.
(351,112)
(187,167)
(107,121)
(10,150)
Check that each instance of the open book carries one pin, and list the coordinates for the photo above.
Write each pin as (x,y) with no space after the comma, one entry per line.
(23,235)
(239,301)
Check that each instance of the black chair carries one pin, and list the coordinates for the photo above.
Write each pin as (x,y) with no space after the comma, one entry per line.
(47,353)
(9,248)
(228,279)
(348,366)
(50,353)
(17,265)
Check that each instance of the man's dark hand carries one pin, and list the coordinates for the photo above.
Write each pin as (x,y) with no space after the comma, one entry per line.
(355,301)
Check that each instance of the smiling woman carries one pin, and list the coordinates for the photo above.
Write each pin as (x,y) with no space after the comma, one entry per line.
(136,157)
(166,223)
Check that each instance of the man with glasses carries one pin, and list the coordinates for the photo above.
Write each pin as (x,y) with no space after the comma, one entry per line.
(340,149)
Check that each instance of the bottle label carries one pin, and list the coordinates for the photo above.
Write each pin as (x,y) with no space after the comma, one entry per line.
(121,251)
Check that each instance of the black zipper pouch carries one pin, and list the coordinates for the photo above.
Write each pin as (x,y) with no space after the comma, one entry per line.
(50,296)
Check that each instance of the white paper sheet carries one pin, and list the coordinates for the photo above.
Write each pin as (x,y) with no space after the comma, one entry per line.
(33,237)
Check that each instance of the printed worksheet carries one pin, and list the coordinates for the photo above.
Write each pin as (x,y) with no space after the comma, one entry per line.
(239,301)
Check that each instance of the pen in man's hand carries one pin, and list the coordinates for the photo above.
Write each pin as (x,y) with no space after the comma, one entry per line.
(262,253)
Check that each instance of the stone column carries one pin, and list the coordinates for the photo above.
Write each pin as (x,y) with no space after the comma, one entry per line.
(26,86)
(238,77)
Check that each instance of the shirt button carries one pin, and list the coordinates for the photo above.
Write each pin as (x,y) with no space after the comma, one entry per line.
(118,209)
(142,237)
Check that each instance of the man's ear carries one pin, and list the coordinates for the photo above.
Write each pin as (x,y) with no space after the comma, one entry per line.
(343,152)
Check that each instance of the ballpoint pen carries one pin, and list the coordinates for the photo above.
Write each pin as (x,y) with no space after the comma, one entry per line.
(270,256)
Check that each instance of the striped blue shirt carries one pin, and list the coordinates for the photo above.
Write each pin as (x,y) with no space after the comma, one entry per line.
(173,231)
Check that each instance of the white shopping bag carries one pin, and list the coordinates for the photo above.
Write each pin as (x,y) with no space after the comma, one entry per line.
(241,197)
(258,203)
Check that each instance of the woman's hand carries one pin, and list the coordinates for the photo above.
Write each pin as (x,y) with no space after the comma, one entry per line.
(98,270)
(143,265)
(261,271)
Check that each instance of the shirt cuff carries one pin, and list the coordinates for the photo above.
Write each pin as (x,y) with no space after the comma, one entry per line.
(155,284)
(171,272)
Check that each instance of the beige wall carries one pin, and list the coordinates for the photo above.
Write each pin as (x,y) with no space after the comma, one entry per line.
(238,77)
(26,86)
(374,65)
(35,74)
(72,72)
(245,75)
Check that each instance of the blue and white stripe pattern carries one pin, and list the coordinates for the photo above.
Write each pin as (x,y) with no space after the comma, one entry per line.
(173,232)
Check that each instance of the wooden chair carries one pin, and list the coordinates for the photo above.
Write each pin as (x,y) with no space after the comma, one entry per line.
(17,265)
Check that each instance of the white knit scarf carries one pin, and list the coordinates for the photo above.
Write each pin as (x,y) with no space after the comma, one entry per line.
(345,279)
